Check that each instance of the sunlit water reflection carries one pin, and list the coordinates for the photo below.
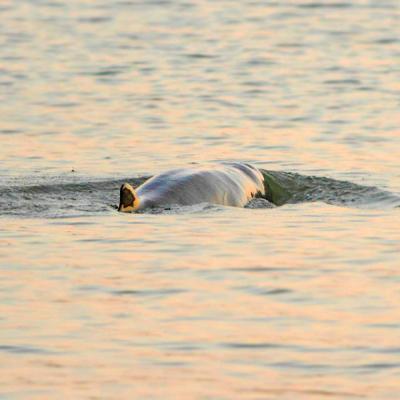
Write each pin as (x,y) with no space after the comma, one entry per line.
(296,301)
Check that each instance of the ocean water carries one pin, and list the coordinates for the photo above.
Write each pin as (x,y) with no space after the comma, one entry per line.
(299,300)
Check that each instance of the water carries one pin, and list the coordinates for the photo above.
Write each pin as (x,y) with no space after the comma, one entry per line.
(296,301)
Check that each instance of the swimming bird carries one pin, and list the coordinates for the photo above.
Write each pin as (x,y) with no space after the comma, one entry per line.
(229,184)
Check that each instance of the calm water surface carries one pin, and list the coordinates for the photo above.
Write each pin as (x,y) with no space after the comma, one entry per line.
(299,301)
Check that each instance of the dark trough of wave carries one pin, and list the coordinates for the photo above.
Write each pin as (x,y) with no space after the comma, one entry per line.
(61,198)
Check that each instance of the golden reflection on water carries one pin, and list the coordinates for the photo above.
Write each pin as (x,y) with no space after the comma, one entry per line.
(102,87)
(297,302)
(285,302)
